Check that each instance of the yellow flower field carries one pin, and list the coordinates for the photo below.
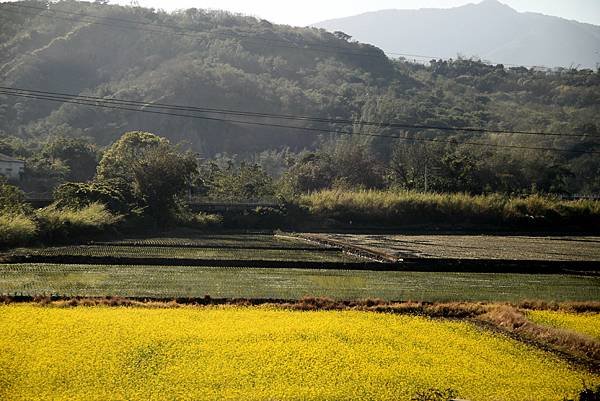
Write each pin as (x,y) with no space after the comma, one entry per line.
(584,323)
(230,353)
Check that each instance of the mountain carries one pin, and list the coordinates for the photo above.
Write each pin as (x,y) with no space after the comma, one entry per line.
(195,57)
(226,62)
(489,30)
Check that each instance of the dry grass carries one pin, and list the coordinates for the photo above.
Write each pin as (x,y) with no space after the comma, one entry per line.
(16,229)
(409,207)
(444,309)
(574,307)
(93,216)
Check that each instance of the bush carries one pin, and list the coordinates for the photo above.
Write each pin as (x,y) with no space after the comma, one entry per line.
(207,220)
(12,199)
(199,220)
(260,217)
(409,207)
(62,223)
(76,195)
(16,229)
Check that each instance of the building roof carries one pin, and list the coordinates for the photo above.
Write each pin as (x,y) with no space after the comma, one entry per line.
(6,158)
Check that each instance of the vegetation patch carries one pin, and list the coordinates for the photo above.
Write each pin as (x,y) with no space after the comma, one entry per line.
(584,323)
(167,282)
(119,251)
(397,208)
(16,229)
(265,353)
(570,342)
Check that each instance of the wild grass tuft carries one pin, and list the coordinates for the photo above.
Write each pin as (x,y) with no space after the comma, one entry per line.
(409,207)
(57,224)
(16,229)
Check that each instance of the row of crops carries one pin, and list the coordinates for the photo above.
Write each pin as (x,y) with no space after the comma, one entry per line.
(203,248)
(222,241)
(288,283)
(171,252)
(260,266)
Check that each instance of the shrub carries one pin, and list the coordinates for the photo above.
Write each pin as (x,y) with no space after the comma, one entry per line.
(16,229)
(12,199)
(207,220)
(76,195)
(409,207)
(199,220)
(260,217)
(61,223)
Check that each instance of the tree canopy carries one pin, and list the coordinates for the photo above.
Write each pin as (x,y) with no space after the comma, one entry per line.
(234,62)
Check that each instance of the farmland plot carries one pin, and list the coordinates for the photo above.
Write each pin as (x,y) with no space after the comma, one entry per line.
(584,323)
(265,354)
(176,252)
(479,246)
(286,283)
(260,241)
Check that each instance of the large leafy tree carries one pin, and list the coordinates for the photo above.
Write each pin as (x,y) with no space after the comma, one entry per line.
(12,199)
(79,156)
(150,172)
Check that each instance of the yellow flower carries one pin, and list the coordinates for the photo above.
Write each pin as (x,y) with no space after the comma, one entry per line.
(231,353)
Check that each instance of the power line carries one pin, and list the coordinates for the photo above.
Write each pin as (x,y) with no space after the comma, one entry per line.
(166,106)
(98,103)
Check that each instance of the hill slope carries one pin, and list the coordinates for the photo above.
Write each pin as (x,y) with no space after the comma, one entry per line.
(197,57)
(219,60)
(490,30)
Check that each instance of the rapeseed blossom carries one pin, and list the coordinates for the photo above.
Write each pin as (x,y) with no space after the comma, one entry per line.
(583,323)
(233,353)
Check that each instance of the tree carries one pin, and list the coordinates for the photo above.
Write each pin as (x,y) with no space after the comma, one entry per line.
(413,164)
(80,156)
(150,171)
(247,182)
(12,199)
(309,173)
(342,35)
(77,195)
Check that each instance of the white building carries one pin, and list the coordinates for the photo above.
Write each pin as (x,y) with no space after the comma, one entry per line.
(11,168)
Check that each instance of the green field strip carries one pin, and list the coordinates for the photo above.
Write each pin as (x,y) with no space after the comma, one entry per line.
(187,253)
(473,247)
(285,283)
(216,241)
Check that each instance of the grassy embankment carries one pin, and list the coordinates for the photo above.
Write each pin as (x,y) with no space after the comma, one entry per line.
(266,353)
(388,208)
(358,208)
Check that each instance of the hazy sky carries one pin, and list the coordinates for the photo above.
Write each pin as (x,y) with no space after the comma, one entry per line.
(305,12)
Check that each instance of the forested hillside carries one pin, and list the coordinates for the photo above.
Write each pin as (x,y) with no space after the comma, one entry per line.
(218,60)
